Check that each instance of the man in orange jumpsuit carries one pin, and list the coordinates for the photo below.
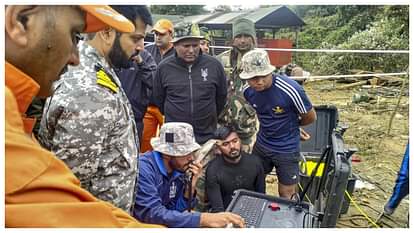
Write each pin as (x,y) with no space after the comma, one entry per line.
(40,190)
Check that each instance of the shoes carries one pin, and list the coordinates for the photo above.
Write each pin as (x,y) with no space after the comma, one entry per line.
(388,210)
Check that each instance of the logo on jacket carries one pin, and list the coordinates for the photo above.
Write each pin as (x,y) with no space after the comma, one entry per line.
(278,110)
(204,74)
(173,190)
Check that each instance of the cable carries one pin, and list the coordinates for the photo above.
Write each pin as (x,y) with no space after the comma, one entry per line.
(360,210)
(306,196)
(189,180)
(312,176)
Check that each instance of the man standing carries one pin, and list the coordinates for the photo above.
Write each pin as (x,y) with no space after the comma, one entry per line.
(163,35)
(237,111)
(205,42)
(282,107)
(137,80)
(40,190)
(191,86)
(233,170)
(402,184)
(167,179)
(162,48)
(88,122)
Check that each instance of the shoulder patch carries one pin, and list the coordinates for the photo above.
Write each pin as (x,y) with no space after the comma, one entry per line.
(103,79)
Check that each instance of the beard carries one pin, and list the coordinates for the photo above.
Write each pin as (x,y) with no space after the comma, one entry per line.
(117,57)
(233,155)
(245,48)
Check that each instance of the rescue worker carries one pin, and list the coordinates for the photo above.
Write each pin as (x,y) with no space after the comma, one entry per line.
(88,122)
(237,111)
(40,190)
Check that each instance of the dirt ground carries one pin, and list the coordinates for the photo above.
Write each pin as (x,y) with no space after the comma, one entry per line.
(380,154)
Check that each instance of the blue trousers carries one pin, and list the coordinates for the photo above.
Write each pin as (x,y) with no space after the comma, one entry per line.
(401,188)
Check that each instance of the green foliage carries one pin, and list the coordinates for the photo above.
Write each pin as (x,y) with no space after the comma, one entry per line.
(353,27)
(177,9)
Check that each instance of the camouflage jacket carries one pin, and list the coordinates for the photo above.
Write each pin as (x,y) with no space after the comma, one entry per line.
(89,124)
(237,110)
(205,154)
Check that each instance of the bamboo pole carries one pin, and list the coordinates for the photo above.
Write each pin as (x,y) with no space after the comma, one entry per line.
(396,108)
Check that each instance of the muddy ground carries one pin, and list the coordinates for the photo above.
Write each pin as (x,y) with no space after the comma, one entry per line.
(380,153)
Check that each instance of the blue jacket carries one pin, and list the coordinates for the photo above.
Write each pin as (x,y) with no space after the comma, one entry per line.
(160,196)
(137,82)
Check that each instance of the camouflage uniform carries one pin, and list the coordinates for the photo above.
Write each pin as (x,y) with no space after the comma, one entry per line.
(205,154)
(88,123)
(237,111)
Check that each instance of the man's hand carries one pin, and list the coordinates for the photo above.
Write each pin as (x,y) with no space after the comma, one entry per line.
(196,169)
(221,220)
(138,59)
(304,136)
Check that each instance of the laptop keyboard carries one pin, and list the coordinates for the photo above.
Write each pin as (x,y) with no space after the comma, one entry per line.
(251,210)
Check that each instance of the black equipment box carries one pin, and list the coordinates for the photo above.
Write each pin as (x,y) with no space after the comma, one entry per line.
(264,211)
(327,190)
(325,196)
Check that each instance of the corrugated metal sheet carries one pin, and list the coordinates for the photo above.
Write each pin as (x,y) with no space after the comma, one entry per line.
(198,18)
(224,18)
(260,13)
(269,17)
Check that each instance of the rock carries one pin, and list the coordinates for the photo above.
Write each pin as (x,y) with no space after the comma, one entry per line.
(398,116)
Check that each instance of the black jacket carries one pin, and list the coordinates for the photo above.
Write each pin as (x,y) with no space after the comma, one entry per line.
(137,82)
(156,54)
(194,94)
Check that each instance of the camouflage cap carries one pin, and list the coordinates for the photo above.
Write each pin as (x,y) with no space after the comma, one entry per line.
(255,63)
(176,139)
(187,31)
(205,34)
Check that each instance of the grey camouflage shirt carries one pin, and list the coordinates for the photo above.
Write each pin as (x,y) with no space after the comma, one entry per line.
(89,124)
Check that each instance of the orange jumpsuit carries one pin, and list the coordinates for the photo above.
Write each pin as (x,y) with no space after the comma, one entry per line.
(40,190)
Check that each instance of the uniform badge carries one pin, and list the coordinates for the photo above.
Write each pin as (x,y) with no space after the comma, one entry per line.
(103,79)
(204,74)
(278,110)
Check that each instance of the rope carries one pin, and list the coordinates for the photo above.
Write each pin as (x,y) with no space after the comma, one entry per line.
(360,210)
(321,77)
(326,50)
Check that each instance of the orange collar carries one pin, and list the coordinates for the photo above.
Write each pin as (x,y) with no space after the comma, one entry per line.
(24,90)
(23,87)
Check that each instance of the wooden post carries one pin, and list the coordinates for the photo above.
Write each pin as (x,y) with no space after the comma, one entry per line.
(396,108)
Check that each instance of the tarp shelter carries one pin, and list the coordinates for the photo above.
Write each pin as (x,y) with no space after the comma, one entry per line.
(269,19)
(274,17)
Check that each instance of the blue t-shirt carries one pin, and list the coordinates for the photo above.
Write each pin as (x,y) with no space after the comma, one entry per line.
(278,109)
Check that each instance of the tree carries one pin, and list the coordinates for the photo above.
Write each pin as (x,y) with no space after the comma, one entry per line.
(178,9)
(371,27)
